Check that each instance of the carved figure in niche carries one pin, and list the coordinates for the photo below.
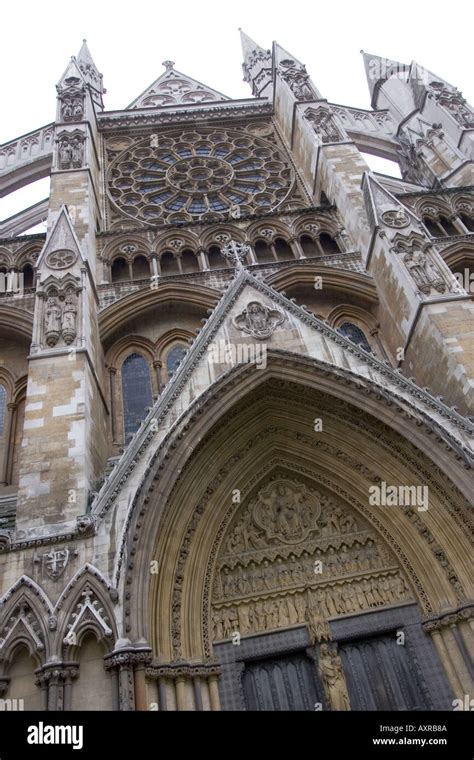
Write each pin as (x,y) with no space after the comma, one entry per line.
(298,80)
(52,324)
(218,626)
(77,109)
(348,524)
(66,111)
(64,154)
(244,619)
(423,272)
(292,611)
(300,605)
(332,676)
(283,618)
(68,321)
(242,583)
(323,124)
(77,152)
(258,320)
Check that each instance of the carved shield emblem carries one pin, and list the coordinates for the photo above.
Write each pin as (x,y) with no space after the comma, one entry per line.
(54,562)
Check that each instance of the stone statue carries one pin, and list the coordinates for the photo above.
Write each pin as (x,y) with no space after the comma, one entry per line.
(77,153)
(68,322)
(423,272)
(332,676)
(298,80)
(323,124)
(52,323)
(64,154)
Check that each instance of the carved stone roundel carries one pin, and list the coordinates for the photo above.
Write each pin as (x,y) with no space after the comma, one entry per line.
(258,320)
(395,218)
(61,259)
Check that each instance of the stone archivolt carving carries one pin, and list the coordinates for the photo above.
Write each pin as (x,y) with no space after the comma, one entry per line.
(297,556)
(258,320)
(297,78)
(323,122)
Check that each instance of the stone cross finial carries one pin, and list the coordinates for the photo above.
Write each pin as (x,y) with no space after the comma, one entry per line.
(236,253)
(168,65)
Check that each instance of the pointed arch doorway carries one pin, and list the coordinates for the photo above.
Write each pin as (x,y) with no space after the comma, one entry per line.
(307,495)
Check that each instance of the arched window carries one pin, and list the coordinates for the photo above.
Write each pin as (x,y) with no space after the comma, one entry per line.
(169,265)
(467,221)
(174,359)
(448,226)
(215,259)
(189,261)
(120,271)
(329,245)
(27,276)
(136,393)
(355,334)
(140,268)
(3,406)
(283,250)
(432,227)
(309,246)
(263,252)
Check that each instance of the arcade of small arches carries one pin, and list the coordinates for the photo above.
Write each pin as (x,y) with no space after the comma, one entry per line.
(131,263)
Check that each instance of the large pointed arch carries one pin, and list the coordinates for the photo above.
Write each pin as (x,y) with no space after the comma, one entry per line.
(258,419)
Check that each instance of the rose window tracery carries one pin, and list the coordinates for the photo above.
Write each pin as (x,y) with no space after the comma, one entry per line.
(197,175)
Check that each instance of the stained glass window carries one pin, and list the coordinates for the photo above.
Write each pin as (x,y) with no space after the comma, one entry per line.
(136,392)
(3,406)
(355,334)
(174,359)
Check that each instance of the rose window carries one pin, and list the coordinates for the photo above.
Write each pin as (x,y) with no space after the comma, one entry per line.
(199,175)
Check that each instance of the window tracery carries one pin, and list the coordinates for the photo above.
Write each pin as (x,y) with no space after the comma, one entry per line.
(198,175)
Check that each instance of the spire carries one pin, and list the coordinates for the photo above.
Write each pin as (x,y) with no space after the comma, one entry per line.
(89,70)
(378,70)
(249,46)
(174,88)
(257,67)
(294,73)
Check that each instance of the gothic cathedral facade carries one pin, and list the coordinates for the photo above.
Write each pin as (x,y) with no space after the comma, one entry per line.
(236,380)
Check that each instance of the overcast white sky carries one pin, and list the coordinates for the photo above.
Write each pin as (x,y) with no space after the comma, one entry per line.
(129,41)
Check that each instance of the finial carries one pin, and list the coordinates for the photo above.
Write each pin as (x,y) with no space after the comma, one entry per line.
(168,65)
(236,253)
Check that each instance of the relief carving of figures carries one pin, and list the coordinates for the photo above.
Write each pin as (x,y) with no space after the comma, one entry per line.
(423,272)
(71,152)
(287,511)
(72,108)
(323,123)
(332,676)
(258,320)
(296,76)
(52,321)
(68,322)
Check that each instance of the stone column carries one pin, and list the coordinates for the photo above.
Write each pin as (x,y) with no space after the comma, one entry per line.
(296,246)
(203,259)
(447,663)
(113,421)
(214,692)
(9,428)
(157,365)
(140,688)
